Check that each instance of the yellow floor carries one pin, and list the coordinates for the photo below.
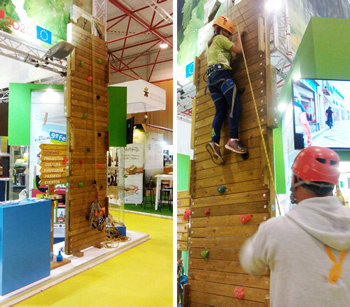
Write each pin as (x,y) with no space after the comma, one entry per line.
(139,277)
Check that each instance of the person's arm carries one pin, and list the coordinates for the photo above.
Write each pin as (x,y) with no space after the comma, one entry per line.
(254,255)
(237,47)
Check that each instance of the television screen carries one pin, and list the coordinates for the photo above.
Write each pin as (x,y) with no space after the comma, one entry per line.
(321,111)
(130,130)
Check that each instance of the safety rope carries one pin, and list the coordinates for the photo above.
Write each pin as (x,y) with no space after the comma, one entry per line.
(94,105)
(113,238)
(257,113)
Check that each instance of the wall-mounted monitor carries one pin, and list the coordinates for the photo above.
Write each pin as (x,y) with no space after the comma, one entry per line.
(321,110)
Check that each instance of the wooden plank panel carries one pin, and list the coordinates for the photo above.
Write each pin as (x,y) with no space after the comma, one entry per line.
(229,266)
(261,282)
(231,188)
(217,208)
(229,199)
(251,294)
(226,231)
(200,299)
(228,220)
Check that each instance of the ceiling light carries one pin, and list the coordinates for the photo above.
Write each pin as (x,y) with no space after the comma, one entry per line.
(164,45)
(273,5)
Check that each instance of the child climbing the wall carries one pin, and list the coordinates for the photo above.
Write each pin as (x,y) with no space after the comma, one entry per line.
(222,89)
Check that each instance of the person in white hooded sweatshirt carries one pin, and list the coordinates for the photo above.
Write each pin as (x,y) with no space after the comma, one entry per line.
(308,250)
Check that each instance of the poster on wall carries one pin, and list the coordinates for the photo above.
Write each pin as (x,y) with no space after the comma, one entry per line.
(47,126)
(39,22)
(133,172)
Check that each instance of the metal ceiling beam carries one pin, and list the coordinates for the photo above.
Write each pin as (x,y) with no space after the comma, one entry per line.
(140,21)
(136,45)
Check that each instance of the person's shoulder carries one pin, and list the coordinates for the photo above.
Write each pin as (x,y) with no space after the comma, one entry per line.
(273,224)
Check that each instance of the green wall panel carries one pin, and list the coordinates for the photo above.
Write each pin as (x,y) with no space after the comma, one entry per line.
(117,116)
(322,54)
(183,170)
(19,110)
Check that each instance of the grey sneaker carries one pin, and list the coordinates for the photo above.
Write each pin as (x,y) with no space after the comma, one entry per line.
(214,151)
(235,146)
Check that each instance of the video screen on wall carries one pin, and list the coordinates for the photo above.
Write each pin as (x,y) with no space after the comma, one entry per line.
(321,110)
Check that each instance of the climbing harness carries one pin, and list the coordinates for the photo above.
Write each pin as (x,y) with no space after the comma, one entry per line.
(97,214)
(336,270)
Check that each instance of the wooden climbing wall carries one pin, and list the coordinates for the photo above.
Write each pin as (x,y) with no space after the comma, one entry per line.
(212,280)
(86,107)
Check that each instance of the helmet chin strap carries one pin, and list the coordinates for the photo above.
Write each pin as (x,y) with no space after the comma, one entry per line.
(302,181)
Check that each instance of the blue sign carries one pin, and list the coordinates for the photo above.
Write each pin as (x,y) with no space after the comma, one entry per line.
(44,35)
(189,69)
(57,136)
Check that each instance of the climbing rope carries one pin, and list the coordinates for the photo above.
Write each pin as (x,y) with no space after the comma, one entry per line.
(113,238)
(257,113)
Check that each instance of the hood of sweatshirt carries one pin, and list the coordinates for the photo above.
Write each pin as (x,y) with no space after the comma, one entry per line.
(326,219)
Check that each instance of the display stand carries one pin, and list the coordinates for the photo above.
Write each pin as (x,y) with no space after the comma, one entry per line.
(25,243)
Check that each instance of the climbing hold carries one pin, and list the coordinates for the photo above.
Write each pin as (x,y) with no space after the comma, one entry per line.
(205,253)
(99,134)
(239,292)
(59,257)
(89,78)
(81,161)
(98,97)
(99,165)
(207,212)
(187,214)
(85,37)
(81,184)
(81,64)
(245,218)
(65,161)
(88,149)
(52,189)
(221,189)
(85,115)
(99,61)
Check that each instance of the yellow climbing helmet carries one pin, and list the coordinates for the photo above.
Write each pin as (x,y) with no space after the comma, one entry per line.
(225,23)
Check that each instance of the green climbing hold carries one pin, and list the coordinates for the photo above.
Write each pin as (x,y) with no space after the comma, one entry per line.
(221,189)
(99,61)
(81,64)
(205,253)
(88,149)
(85,115)
(81,184)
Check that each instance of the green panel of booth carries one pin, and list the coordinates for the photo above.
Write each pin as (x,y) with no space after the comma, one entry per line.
(19,110)
(117,116)
(322,54)
(183,169)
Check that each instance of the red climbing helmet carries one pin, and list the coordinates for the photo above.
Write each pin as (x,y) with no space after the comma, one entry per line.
(317,164)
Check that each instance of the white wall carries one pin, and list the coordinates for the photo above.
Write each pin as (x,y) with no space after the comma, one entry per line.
(184,138)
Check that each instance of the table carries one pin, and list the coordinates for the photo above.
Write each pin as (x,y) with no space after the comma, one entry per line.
(161,177)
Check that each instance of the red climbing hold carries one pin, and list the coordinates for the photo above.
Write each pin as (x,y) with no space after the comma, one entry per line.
(187,214)
(99,165)
(81,161)
(207,212)
(238,292)
(89,78)
(65,160)
(245,218)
